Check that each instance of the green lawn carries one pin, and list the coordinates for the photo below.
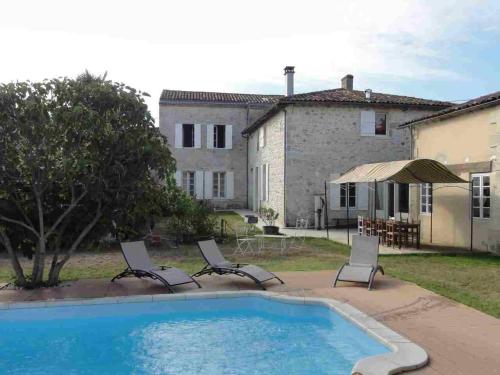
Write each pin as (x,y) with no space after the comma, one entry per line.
(472,279)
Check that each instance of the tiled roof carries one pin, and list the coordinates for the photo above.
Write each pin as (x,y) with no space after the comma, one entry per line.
(216,97)
(456,109)
(343,96)
(356,96)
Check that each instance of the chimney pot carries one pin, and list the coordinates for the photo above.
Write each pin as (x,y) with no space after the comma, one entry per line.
(347,82)
(289,72)
(368,94)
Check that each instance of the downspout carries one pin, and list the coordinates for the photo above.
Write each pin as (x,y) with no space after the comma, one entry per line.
(248,148)
(284,169)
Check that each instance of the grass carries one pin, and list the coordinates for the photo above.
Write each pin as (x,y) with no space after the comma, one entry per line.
(472,279)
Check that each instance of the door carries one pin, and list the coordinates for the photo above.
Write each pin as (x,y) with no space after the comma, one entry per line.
(390,208)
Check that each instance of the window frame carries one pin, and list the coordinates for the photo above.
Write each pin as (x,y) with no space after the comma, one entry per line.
(185,183)
(193,141)
(481,196)
(426,198)
(216,137)
(343,195)
(216,185)
(385,125)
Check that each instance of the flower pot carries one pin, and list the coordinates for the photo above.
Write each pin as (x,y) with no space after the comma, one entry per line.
(271,229)
(251,219)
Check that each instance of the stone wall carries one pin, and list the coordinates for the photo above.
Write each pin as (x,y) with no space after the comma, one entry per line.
(204,159)
(325,141)
(273,155)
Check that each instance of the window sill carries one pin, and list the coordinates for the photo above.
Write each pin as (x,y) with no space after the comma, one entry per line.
(379,136)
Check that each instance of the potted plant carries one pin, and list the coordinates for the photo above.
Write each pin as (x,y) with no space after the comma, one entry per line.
(269,216)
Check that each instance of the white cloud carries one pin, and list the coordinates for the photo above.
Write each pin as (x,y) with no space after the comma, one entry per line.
(225,45)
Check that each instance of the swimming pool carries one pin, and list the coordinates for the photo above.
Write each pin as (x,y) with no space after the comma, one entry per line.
(245,334)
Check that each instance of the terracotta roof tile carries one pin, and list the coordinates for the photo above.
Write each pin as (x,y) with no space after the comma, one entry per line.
(485,99)
(217,97)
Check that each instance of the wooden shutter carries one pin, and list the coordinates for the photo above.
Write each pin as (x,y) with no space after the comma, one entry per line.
(208,185)
(267,182)
(197,135)
(178,178)
(367,122)
(362,196)
(198,184)
(210,136)
(178,135)
(335,196)
(229,137)
(229,185)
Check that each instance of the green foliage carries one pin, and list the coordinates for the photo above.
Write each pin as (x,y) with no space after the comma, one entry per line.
(76,161)
(268,215)
(190,219)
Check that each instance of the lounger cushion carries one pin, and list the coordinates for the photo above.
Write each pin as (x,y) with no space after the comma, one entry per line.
(356,273)
(257,272)
(173,276)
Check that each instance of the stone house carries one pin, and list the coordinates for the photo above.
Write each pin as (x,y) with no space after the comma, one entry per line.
(466,138)
(307,139)
(204,134)
(249,151)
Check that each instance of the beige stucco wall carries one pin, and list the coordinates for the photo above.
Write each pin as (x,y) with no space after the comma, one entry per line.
(205,159)
(272,154)
(468,138)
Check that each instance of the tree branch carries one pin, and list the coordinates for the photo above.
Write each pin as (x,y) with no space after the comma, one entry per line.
(14,260)
(74,203)
(13,221)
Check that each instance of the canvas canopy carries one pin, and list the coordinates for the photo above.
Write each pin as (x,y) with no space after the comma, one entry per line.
(402,171)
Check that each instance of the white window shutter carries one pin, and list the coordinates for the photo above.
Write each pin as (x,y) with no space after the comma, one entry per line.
(362,196)
(198,184)
(178,178)
(267,182)
(229,185)
(229,136)
(208,184)
(262,181)
(367,122)
(178,135)
(197,135)
(335,196)
(210,136)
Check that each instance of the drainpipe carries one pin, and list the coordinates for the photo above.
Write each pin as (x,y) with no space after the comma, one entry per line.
(248,148)
(284,169)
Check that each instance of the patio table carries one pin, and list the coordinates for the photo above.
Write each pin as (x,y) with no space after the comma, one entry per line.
(282,237)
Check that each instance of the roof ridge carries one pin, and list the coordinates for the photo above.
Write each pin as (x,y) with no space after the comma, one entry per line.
(219,92)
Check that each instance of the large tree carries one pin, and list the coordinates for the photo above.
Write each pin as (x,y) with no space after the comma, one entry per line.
(78,158)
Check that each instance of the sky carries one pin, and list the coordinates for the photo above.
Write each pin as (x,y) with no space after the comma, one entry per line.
(439,49)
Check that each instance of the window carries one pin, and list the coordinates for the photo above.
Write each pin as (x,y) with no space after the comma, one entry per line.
(188,183)
(380,124)
(481,196)
(404,197)
(352,195)
(219,185)
(187,135)
(373,123)
(219,136)
(425,198)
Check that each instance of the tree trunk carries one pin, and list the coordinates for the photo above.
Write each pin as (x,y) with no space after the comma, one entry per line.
(56,266)
(39,263)
(20,278)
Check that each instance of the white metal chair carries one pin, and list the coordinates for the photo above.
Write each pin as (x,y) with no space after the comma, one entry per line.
(299,236)
(360,225)
(244,242)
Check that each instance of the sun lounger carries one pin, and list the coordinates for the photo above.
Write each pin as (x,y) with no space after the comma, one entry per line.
(363,263)
(216,263)
(140,265)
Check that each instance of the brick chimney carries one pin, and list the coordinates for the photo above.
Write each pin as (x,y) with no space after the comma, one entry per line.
(289,72)
(347,82)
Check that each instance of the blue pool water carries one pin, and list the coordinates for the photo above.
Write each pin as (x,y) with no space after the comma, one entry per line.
(245,335)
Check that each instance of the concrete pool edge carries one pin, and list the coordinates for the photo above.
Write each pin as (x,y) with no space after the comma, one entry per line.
(405,355)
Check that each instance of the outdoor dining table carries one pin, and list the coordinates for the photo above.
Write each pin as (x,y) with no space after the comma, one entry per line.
(282,237)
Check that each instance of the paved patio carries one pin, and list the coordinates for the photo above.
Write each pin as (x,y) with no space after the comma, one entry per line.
(339,235)
(459,340)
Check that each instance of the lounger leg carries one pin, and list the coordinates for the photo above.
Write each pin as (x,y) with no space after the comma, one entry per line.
(337,275)
(122,274)
(381,270)
(372,277)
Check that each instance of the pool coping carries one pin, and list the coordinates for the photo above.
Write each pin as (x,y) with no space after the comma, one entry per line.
(404,356)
